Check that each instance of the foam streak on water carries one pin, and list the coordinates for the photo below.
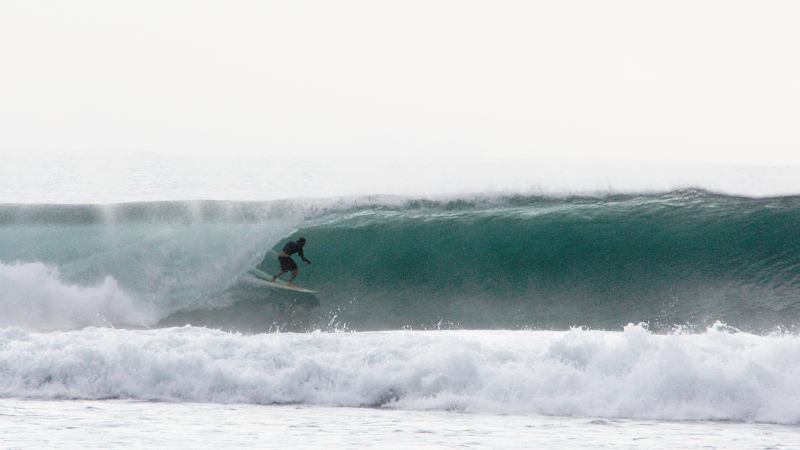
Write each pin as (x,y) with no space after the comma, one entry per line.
(35,424)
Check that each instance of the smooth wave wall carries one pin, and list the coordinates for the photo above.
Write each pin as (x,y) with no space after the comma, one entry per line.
(687,258)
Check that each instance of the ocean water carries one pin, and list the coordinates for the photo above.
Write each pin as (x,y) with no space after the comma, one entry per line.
(500,305)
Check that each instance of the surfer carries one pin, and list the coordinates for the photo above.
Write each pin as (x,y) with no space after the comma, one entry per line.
(287,263)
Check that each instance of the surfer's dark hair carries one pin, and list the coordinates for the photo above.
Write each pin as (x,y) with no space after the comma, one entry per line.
(301,240)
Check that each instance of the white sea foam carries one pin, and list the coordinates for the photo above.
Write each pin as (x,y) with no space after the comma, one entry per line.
(33,296)
(716,375)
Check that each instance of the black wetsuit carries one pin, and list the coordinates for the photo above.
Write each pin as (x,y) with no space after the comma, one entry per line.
(287,263)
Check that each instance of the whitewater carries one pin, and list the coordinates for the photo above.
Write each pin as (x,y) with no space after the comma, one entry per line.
(536,305)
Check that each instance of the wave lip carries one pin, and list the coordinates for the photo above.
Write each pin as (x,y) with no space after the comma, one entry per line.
(716,375)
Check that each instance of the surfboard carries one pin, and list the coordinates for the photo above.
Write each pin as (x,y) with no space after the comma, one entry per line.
(277,284)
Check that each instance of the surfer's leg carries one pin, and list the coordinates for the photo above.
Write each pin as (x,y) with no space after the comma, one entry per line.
(294,274)
(287,265)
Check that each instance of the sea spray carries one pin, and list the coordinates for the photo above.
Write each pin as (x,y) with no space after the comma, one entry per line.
(35,297)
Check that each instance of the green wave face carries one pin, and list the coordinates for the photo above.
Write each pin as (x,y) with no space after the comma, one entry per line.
(686,259)
(679,259)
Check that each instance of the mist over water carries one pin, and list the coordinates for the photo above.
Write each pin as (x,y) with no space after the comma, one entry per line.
(37,178)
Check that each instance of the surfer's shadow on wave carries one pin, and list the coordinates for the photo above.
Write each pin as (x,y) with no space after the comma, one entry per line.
(250,307)
(285,302)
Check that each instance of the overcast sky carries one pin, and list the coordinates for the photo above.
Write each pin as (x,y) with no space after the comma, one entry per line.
(681,81)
